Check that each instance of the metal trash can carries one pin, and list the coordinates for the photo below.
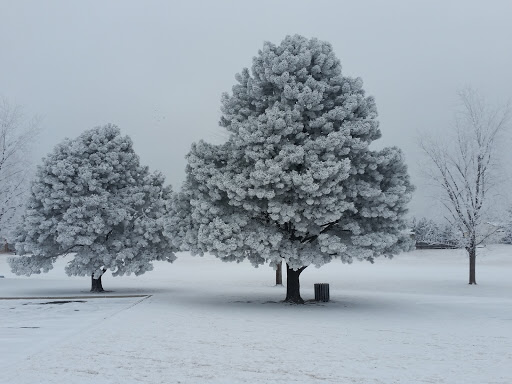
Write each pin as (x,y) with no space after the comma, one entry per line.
(322,292)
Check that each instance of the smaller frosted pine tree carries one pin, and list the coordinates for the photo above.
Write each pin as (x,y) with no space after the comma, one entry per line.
(91,198)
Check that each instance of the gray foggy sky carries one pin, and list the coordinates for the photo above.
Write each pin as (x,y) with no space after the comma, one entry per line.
(158,68)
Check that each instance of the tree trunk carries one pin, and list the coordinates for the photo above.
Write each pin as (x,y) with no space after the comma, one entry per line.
(293,285)
(472,264)
(96,285)
(279,273)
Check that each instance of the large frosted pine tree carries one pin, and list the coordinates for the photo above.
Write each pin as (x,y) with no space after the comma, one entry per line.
(93,199)
(296,179)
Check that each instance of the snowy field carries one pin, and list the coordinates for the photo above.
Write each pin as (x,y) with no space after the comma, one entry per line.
(409,320)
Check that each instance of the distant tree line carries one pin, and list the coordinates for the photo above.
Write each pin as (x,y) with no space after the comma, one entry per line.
(429,234)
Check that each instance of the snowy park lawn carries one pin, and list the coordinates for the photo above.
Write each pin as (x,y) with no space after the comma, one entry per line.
(412,319)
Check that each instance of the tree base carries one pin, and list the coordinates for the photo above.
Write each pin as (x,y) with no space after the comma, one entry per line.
(293,285)
(294,300)
(96,285)
(472,266)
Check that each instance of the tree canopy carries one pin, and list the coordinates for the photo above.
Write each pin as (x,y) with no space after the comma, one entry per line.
(296,178)
(92,198)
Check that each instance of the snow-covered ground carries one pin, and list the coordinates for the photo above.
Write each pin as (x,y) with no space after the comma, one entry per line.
(409,320)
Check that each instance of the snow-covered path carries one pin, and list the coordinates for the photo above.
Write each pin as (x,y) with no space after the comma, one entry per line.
(408,320)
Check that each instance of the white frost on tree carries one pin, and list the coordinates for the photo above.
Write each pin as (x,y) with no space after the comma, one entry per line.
(296,178)
(93,199)
(507,227)
(429,234)
(465,170)
(17,133)
(426,231)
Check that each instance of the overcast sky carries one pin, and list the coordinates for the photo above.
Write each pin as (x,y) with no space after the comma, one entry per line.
(158,68)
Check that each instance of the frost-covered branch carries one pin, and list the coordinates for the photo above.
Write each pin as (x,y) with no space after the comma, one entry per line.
(17,134)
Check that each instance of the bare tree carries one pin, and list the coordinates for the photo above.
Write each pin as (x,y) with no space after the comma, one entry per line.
(17,133)
(465,169)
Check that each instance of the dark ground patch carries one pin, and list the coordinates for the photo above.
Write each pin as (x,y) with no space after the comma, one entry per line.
(59,302)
